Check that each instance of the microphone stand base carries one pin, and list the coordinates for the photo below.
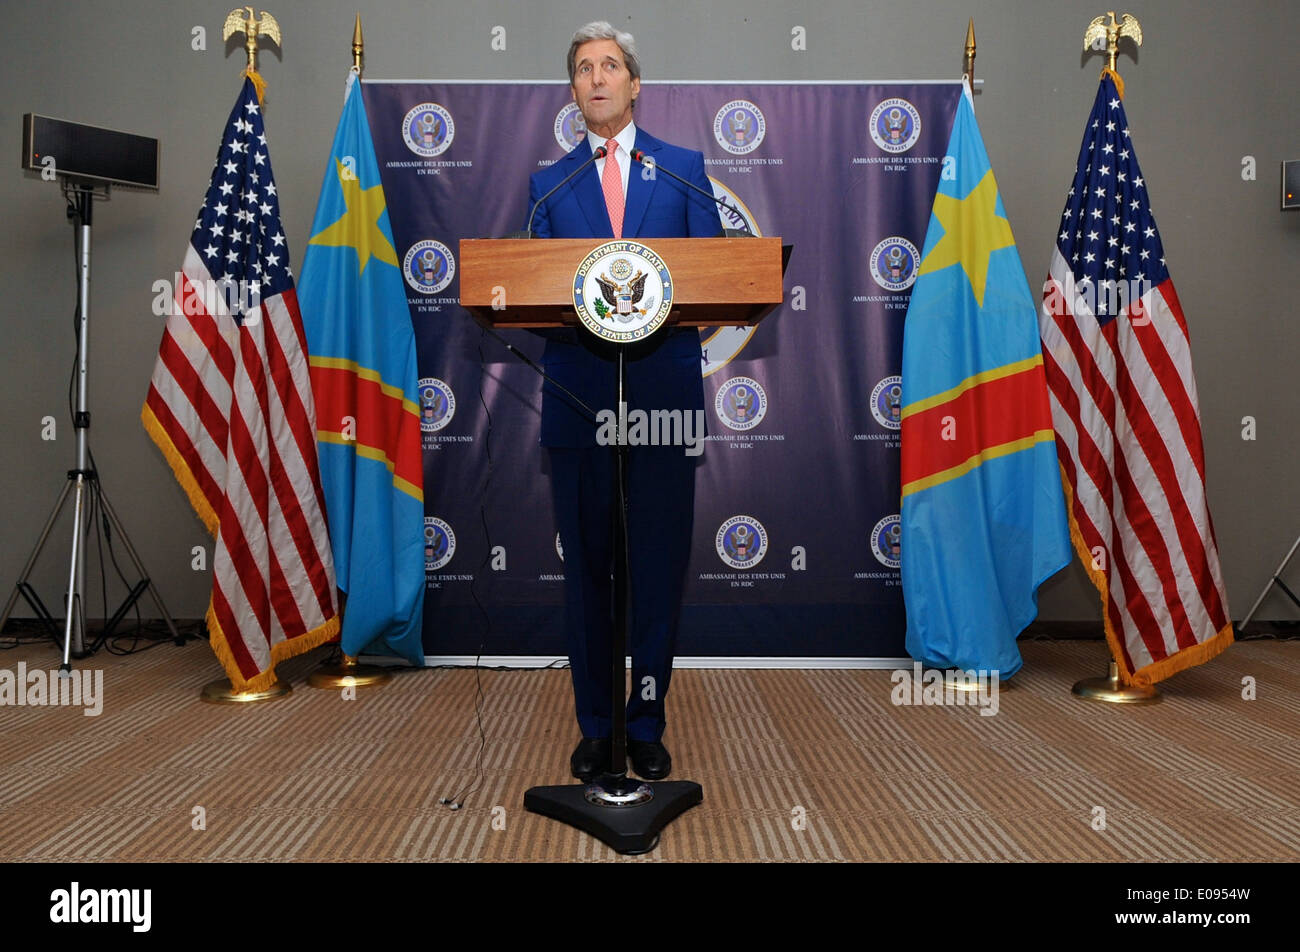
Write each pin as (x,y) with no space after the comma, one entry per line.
(625,814)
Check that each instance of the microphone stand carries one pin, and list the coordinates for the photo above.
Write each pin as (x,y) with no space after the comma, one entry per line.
(625,813)
(733,212)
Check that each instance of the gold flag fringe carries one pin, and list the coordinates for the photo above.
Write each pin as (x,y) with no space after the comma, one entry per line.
(1156,671)
(259,84)
(216,636)
(1119,83)
(289,648)
(180,470)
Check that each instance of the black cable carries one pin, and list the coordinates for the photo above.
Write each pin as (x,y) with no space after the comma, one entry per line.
(108,533)
(157,634)
(95,505)
(458,801)
(105,530)
(36,636)
(557,665)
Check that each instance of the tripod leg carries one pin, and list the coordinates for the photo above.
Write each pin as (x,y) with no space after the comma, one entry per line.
(1268,585)
(74,600)
(139,566)
(36,552)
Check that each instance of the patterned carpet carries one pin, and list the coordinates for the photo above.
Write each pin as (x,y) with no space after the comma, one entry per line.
(795,765)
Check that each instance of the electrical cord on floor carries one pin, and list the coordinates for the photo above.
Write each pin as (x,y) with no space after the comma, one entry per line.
(458,801)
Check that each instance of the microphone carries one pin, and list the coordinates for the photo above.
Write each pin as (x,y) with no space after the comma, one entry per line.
(597,153)
(639,156)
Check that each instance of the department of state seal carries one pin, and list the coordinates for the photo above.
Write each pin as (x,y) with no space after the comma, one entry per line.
(622,292)
(719,345)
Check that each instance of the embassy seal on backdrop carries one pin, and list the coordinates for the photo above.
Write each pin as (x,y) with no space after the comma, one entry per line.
(741,404)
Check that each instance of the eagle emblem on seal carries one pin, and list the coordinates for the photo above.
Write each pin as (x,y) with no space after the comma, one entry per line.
(623,296)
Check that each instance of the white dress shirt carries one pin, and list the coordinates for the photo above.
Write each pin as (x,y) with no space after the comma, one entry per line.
(626,139)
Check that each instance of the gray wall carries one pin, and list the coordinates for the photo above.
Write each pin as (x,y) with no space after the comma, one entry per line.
(1212,84)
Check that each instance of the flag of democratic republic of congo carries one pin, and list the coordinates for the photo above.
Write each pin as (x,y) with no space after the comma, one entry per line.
(983,514)
(363,375)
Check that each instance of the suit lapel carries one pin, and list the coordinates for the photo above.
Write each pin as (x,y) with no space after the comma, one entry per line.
(639,189)
(591,198)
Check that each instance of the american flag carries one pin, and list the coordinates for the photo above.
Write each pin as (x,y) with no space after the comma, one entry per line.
(230,406)
(1124,406)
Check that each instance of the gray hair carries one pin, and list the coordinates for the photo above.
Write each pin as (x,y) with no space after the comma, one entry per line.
(603,30)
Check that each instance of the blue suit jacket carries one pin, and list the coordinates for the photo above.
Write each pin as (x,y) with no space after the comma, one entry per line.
(667,379)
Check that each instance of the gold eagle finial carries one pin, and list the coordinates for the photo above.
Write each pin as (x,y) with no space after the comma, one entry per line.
(237,21)
(1111,32)
(358,46)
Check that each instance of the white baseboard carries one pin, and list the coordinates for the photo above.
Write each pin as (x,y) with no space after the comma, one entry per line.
(703,661)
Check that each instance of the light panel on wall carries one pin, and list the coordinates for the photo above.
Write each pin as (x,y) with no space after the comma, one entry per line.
(1291,184)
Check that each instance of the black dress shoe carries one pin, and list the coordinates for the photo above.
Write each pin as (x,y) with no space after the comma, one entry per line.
(590,757)
(650,759)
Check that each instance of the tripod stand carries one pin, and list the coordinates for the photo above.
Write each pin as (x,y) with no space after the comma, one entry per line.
(83,482)
(1275,580)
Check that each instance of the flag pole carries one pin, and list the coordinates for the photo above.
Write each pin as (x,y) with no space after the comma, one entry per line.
(1110,688)
(221,691)
(358,47)
(956,680)
(968,70)
(348,673)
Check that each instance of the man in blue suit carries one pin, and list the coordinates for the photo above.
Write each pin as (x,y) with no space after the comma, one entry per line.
(618,197)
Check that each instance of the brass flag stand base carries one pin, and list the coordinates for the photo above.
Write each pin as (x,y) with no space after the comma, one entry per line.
(220,692)
(957,681)
(1114,690)
(348,674)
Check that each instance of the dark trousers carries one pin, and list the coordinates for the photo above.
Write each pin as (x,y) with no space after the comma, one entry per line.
(661,506)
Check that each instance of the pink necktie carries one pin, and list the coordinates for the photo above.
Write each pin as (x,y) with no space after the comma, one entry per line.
(612,183)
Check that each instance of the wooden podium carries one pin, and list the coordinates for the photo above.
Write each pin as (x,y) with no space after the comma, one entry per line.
(518,283)
(512,282)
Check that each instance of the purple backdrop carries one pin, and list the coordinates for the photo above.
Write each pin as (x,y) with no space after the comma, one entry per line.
(795,540)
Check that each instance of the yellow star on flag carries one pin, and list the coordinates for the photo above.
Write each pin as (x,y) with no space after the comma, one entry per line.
(972,231)
(359,226)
